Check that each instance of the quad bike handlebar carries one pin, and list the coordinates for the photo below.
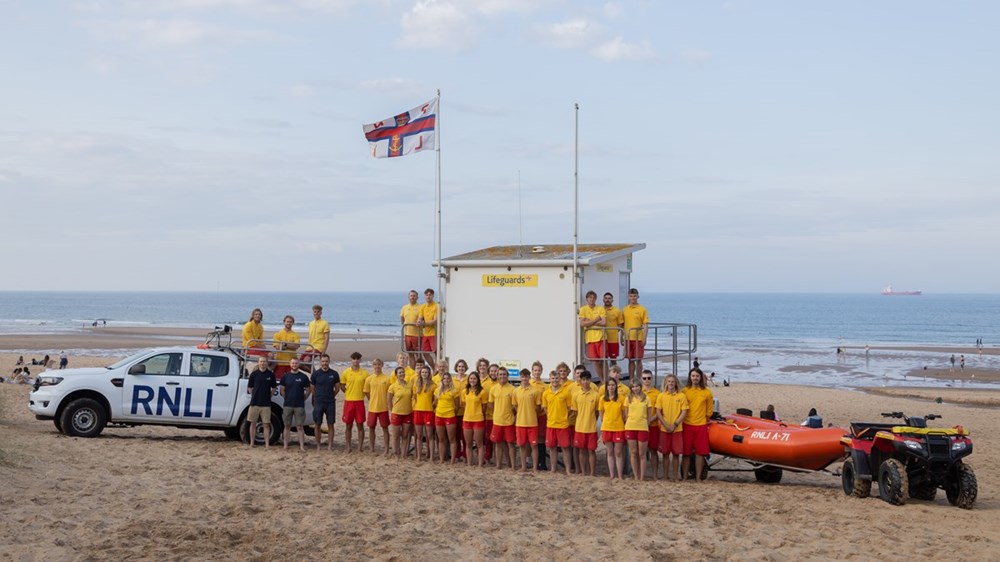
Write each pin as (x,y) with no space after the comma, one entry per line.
(910,419)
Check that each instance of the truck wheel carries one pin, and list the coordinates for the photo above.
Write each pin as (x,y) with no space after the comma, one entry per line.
(232,433)
(258,436)
(854,486)
(892,482)
(961,487)
(83,417)
(58,423)
(926,491)
(768,474)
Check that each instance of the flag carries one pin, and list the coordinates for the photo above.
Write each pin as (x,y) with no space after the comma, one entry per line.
(407,132)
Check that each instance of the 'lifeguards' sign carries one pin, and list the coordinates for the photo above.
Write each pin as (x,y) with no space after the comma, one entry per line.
(509,280)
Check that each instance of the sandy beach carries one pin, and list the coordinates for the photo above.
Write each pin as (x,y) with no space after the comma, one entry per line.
(170,494)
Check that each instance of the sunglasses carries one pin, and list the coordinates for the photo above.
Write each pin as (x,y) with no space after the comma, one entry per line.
(647,378)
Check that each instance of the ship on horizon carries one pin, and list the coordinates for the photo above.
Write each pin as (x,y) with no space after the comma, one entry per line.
(888,292)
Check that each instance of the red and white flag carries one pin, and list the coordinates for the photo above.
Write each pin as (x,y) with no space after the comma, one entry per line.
(402,134)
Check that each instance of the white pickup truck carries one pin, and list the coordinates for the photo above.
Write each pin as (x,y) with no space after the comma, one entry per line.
(197,388)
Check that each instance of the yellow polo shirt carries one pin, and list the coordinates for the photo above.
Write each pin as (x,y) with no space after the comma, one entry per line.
(612,419)
(317,330)
(410,313)
(634,316)
(593,333)
(354,383)
(638,414)
(502,398)
(429,312)
(671,406)
(285,336)
(700,404)
(557,407)
(402,398)
(527,399)
(253,331)
(585,406)
(377,391)
(612,321)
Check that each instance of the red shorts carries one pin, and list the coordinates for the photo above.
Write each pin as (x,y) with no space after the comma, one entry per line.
(654,438)
(354,411)
(428,343)
(400,419)
(613,350)
(488,436)
(558,437)
(308,355)
(526,435)
(672,443)
(595,350)
(635,349)
(280,371)
(637,435)
(381,417)
(444,421)
(503,434)
(412,343)
(585,441)
(613,436)
(423,418)
(695,438)
(257,352)
(473,425)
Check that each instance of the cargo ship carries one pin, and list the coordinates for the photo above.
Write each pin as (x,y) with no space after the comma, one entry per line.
(888,292)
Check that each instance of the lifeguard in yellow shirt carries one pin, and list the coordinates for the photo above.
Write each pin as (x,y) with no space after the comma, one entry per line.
(638,414)
(423,410)
(353,380)
(400,396)
(556,403)
(446,407)
(319,336)
(527,402)
(671,409)
(635,319)
(377,392)
(585,404)
(592,322)
(503,435)
(286,341)
(612,408)
(409,314)
(253,335)
(474,417)
(653,394)
(700,404)
(612,325)
(428,324)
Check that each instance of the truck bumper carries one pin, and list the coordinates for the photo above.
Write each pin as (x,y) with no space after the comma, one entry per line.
(42,403)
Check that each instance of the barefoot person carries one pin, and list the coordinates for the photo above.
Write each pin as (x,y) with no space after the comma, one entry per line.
(671,409)
(653,394)
(260,388)
(253,335)
(400,398)
(638,413)
(325,385)
(503,434)
(527,403)
(612,408)
(556,404)
(700,404)
(460,379)
(474,418)
(446,407)
(353,379)
(294,389)
(377,393)
(423,410)
(585,404)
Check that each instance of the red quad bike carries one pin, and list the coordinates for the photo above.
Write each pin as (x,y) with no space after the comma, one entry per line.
(911,460)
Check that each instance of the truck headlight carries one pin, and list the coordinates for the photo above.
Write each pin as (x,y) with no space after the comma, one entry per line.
(958,445)
(49,381)
(914,445)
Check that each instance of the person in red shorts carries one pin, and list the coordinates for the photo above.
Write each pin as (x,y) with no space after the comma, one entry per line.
(635,320)
(474,416)
(556,403)
(446,406)
(409,314)
(428,324)
(377,393)
(653,394)
(585,403)
(612,328)
(503,435)
(671,409)
(527,403)
(353,381)
(592,322)
(612,408)
(423,410)
(700,403)
(483,370)
(638,413)
(400,396)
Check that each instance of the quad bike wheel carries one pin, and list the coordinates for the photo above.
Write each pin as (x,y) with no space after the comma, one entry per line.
(854,486)
(892,482)
(961,487)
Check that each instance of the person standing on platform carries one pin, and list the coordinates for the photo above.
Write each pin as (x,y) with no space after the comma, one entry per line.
(319,337)
(286,341)
(409,315)
(612,328)
(353,380)
(294,389)
(260,387)
(428,323)
(325,383)
(253,335)
(591,321)
(635,320)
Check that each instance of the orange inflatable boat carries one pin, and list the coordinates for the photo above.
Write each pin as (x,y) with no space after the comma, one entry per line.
(775,443)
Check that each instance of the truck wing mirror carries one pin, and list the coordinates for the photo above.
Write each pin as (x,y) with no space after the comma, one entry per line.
(138,369)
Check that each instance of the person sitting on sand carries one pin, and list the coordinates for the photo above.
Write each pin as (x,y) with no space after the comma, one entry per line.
(771,414)
(814,420)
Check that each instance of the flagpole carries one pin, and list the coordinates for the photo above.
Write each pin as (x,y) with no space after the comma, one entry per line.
(576,222)
(440,275)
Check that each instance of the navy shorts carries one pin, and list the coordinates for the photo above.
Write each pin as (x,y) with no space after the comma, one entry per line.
(328,409)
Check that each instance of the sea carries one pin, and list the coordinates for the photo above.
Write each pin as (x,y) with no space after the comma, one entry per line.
(742,337)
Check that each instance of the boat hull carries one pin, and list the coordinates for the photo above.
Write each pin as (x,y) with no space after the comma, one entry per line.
(776,443)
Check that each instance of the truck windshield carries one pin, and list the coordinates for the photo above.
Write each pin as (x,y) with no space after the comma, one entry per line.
(125,361)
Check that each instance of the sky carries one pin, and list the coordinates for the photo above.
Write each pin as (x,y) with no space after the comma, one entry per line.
(753,146)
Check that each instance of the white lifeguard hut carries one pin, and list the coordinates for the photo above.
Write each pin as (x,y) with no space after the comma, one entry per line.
(518,304)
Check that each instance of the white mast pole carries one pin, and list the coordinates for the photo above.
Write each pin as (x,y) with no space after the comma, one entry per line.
(576,226)
(437,203)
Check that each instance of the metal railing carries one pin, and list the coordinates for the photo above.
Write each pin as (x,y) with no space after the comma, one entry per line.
(427,356)
(664,341)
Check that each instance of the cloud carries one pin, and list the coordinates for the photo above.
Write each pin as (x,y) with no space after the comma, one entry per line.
(253,7)
(618,49)
(438,24)
(572,34)
(693,55)
(174,32)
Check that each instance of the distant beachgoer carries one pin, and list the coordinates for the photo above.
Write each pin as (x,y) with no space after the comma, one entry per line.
(325,384)
(771,414)
(711,379)
(20,361)
(64,360)
(409,315)
(961,361)
(294,389)
(813,420)
(45,362)
(260,388)
(697,363)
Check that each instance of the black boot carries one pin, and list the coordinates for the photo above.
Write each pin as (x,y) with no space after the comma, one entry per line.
(542,457)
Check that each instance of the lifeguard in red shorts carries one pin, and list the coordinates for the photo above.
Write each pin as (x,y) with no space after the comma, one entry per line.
(428,324)
(700,403)
(409,314)
(592,322)
(636,326)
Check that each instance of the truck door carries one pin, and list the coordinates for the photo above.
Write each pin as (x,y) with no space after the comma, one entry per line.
(210,390)
(153,388)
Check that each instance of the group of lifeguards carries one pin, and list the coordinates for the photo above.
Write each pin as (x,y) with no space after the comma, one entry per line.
(286,341)
(481,417)
(606,327)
